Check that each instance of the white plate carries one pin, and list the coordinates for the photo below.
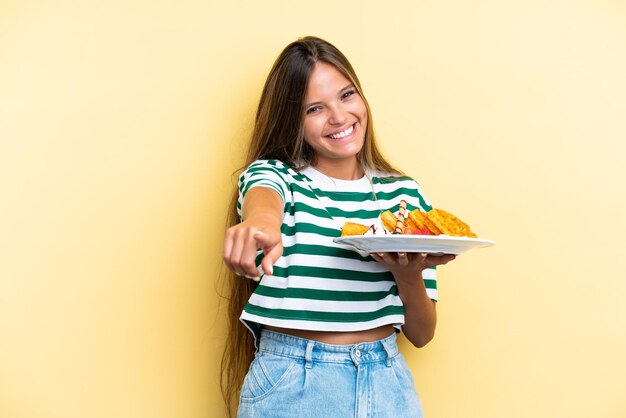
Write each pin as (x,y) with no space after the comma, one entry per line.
(433,244)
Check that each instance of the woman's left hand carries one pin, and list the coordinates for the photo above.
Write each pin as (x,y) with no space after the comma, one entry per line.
(411,262)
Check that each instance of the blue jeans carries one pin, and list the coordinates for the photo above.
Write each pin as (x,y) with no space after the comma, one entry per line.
(295,377)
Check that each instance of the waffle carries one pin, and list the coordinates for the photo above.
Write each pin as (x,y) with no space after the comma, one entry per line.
(419,220)
(351,228)
(389,220)
(449,224)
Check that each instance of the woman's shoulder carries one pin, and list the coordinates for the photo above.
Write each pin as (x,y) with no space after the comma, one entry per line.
(400,186)
(269,163)
(275,169)
(385,177)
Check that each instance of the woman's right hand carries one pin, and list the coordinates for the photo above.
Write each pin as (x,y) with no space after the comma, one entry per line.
(262,213)
(241,243)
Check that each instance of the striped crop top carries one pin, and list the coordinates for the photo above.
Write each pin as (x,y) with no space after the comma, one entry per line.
(316,283)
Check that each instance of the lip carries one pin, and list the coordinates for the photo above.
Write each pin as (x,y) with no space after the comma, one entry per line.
(354,128)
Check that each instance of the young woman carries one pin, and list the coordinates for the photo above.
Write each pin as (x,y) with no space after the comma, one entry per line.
(312,323)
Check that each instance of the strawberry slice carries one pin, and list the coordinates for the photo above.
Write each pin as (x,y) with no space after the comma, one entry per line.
(416,231)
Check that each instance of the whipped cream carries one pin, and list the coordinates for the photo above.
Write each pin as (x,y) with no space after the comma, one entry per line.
(377,228)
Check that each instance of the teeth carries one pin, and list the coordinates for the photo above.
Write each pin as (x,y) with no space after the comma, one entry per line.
(343,134)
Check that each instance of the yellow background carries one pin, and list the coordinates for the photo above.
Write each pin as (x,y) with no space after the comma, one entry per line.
(121,122)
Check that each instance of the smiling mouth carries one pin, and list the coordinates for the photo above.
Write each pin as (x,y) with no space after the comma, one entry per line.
(342,134)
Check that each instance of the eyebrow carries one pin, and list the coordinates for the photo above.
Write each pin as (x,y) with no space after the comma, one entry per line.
(348,87)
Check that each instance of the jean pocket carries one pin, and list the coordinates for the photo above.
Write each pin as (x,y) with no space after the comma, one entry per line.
(402,370)
(267,373)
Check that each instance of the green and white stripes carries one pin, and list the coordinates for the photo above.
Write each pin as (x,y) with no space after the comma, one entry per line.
(318,284)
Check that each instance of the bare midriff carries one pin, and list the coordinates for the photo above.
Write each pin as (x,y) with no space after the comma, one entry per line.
(338,338)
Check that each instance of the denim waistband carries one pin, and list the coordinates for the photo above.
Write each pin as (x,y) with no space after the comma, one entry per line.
(315,351)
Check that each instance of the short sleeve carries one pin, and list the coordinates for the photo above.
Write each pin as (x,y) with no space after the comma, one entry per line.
(262,173)
(430,281)
(422,202)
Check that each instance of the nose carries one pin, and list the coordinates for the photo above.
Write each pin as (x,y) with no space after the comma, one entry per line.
(337,116)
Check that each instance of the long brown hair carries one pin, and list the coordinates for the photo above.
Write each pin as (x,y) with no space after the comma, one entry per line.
(278,134)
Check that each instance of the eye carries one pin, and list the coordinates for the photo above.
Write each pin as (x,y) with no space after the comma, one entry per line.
(348,94)
(312,109)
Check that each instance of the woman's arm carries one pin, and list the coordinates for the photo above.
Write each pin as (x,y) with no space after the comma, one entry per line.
(420,314)
(262,218)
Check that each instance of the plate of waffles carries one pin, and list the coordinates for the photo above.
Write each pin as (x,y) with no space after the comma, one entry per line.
(433,232)
(431,244)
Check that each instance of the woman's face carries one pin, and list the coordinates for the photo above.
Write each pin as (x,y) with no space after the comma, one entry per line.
(335,119)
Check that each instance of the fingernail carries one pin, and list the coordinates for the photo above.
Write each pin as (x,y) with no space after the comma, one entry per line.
(256,279)
(270,271)
(402,254)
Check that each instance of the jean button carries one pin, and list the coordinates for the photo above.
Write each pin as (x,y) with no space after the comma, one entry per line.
(357,352)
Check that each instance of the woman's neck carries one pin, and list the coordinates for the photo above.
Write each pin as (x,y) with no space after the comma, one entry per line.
(340,170)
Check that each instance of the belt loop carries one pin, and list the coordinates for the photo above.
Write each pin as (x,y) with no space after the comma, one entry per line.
(257,342)
(308,356)
(390,348)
